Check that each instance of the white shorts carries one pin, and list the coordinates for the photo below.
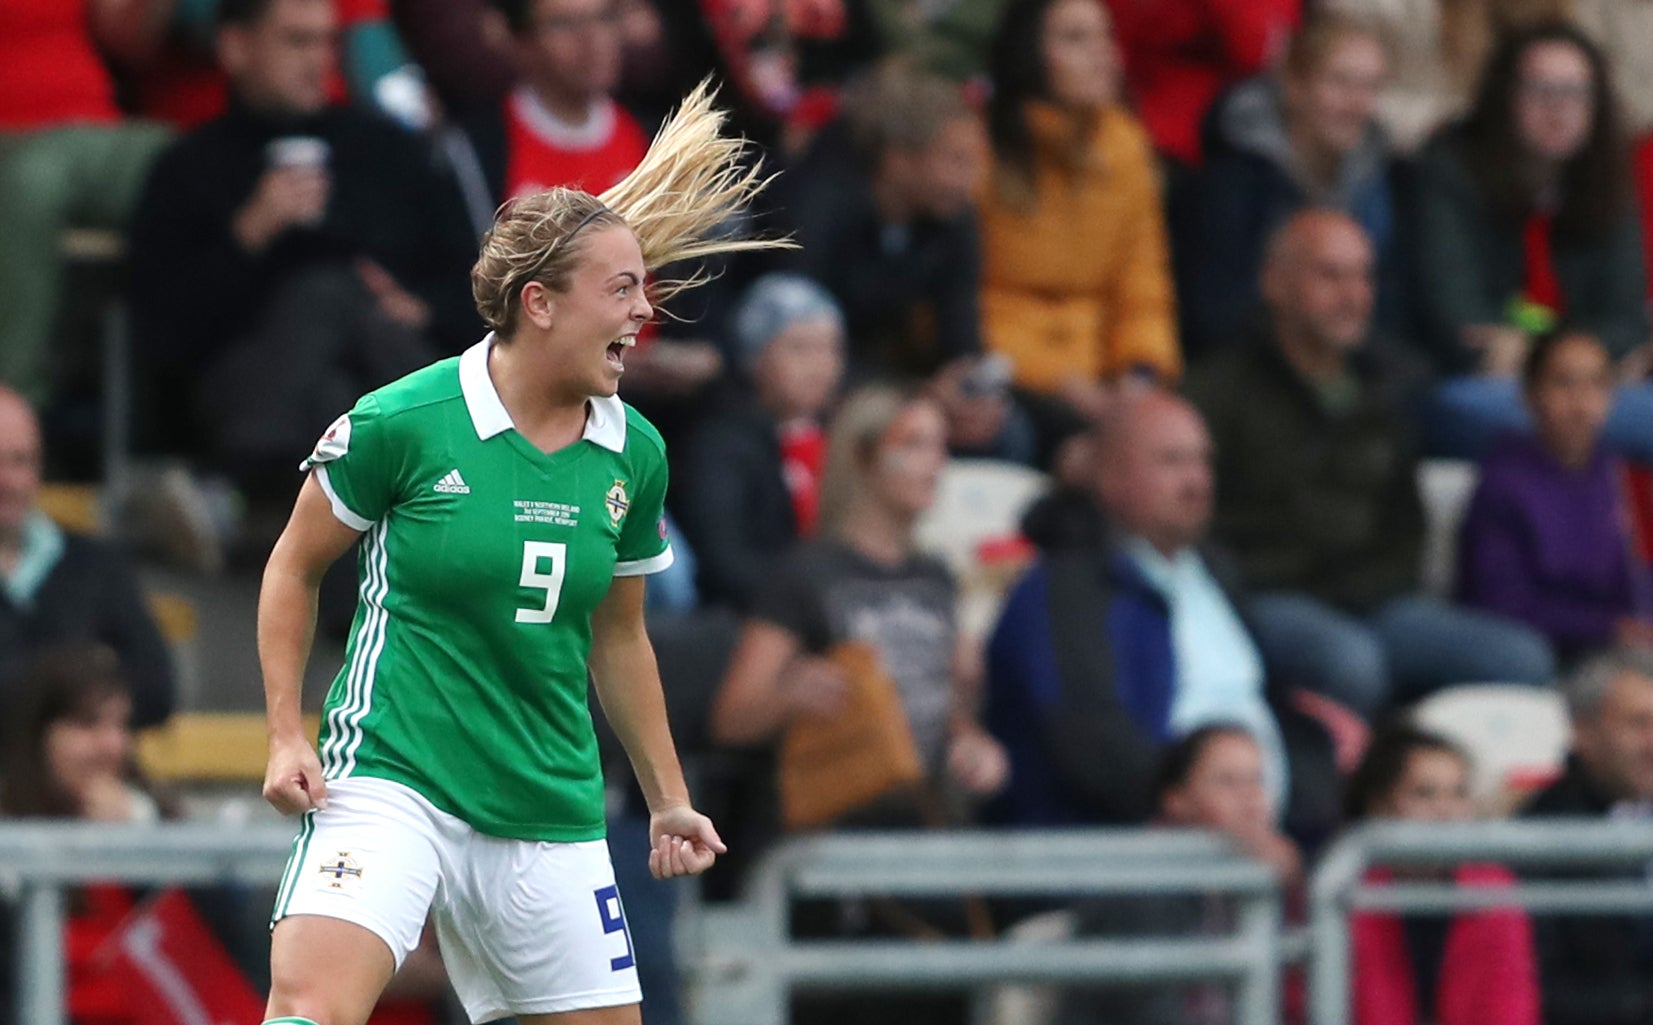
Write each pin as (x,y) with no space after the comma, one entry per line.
(526,927)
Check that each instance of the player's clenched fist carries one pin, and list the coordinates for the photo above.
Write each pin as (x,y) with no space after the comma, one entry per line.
(292,780)
(684,843)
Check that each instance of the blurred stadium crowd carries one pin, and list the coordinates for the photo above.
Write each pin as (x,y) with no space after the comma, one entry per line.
(1204,412)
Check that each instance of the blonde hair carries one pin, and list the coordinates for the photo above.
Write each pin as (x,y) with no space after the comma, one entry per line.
(678,201)
(859,428)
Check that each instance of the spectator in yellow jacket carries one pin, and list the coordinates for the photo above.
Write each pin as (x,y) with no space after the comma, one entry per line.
(1076,284)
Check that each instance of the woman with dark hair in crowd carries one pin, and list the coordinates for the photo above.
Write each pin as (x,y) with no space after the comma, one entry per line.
(1095,312)
(1545,540)
(68,749)
(1211,778)
(1474,967)
(68,755)
(1523,215)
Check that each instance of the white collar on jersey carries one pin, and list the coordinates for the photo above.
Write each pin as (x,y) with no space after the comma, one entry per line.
(598,129)
(605,417)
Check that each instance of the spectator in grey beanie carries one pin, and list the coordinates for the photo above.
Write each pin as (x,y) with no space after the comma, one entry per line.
(749,487)
(774,303)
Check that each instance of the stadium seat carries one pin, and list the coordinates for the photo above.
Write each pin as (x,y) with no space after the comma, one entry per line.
(1516,735)
(975,527)
(179,620)
(177,616)
(1445,486)
(209,747)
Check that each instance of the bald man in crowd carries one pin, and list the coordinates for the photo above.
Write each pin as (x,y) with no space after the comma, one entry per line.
(58,588)
(1128,643)
(1319,499)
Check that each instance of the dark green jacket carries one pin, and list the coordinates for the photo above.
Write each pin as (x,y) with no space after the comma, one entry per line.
(1309,499)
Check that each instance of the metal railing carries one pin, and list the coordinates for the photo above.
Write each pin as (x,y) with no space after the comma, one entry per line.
(747,946)
(1338,887)
(38,861)
(748,964)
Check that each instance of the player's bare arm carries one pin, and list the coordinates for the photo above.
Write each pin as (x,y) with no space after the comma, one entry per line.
(313,539)
(628,685)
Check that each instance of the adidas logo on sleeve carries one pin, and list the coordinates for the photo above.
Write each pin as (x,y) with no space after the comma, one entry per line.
(453,484)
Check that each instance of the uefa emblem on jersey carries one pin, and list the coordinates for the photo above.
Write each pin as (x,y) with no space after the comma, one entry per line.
(341,869)
(617,502)
(333,444)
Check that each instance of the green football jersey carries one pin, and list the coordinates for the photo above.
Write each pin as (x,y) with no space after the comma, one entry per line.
(482,560)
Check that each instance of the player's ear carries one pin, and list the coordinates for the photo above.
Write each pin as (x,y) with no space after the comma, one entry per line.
(538,305)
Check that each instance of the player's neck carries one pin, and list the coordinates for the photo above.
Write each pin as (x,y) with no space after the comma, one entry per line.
(549,420)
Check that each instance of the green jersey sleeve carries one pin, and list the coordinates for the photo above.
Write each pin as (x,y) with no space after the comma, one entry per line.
(643,546)
(354,466)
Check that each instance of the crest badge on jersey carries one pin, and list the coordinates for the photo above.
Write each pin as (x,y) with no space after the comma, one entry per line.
(617,502)
(341,871)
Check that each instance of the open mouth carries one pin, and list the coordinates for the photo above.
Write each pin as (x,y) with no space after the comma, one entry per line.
(617,351)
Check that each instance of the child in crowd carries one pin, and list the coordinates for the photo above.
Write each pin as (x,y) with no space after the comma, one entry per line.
(1546,539)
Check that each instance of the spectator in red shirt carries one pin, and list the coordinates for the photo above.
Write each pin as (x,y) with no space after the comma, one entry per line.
(67,158)
(787,60)
(562,125)
(1477,965)
(1181,54)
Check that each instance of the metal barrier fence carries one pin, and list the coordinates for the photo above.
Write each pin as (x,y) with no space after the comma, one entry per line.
(1338,888)
(38,861)
(749,964)
(745,950)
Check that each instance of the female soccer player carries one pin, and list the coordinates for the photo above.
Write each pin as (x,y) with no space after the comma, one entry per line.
(509,506)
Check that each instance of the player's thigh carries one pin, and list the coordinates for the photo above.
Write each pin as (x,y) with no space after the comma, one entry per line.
(363,875)
(532,929)
(627,1014)
(327,970)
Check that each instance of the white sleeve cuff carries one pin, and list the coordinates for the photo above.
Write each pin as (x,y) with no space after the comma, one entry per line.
(340,510)
(643,567)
